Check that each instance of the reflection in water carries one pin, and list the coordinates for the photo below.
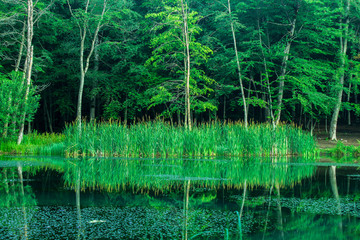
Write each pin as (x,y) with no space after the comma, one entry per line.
(186,208)
(175,198)
(78,207)
(159,175)
(334,188)
(279,211)
(16,202)
(23,207)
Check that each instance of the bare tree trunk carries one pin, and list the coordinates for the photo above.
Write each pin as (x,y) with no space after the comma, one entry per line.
(269,109)
(340,85)
(284,65)
(28,64)
(94,83)
(184,9)
(238,67)
(84,65)
(18,61)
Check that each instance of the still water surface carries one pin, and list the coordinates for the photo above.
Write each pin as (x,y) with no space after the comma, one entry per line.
(118,198)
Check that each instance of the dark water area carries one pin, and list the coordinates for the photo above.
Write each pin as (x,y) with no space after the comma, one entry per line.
(120,198)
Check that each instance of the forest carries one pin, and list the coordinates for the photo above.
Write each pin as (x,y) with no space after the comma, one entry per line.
(183,61)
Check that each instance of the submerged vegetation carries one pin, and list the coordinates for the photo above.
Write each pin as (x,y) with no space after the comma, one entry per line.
(159,139)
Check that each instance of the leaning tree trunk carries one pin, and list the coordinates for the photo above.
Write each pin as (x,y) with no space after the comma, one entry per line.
(284,66)
(238,67)
(340,85)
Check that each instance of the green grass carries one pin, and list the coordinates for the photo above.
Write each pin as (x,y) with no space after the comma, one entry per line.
(35,143)
(343,153)
(159,139)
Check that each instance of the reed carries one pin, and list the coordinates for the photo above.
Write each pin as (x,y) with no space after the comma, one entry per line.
(35,143)
(160,139)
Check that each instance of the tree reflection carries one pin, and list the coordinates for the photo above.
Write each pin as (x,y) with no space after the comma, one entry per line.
(16,200)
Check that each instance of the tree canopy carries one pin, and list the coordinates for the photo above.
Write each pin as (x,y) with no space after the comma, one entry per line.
(182,60)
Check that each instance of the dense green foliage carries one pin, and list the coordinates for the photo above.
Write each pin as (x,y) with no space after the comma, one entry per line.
(155,139)
(289,52)
(12,92)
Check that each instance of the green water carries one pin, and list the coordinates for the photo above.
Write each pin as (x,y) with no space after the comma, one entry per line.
(121,198)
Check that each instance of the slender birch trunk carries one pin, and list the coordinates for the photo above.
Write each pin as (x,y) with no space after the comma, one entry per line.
(18,61)
(238,67)
(340,85)
(94,83)
(28,65)
(184,9)
(84,63)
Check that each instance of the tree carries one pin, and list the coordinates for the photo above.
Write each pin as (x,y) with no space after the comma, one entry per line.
(344,35)
(176,47)
(83,19)
(238,65)
(12,92)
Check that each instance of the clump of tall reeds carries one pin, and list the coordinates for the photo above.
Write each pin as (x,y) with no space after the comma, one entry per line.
(35,143)
(159,139)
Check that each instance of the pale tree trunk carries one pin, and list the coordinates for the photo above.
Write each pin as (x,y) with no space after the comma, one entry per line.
(284,66)
(243,200)
(78,203)
(84,63)
(28,65)
(18,61)
(340,85)
(20,173)
(269,109)
(238,67)
(184,9)
(94,83)
(279,211)
(334,188)
(186,209)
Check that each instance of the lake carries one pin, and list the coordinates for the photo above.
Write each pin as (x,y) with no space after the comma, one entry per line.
(230,198)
